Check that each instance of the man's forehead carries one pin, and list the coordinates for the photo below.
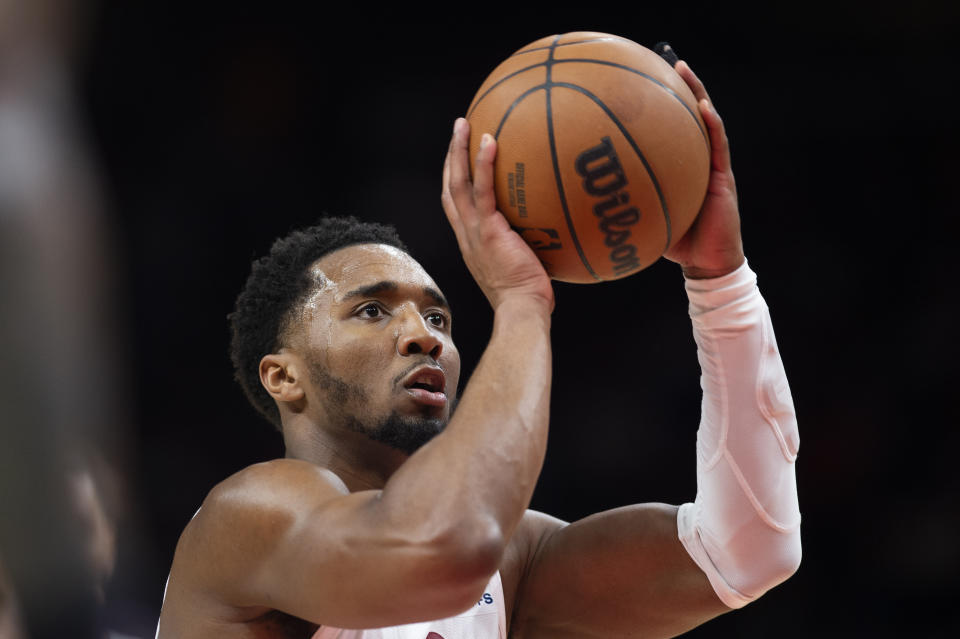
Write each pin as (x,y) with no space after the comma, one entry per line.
(344,270)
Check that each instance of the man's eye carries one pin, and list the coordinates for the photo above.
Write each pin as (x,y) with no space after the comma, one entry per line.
(371,311)
(437,319)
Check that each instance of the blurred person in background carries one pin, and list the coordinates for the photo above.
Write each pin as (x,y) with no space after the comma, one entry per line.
(59,404)
(11,625)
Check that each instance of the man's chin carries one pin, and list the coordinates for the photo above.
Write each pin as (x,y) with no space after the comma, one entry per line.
(407,433)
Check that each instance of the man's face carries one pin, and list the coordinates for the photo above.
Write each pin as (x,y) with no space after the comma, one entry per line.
(375,335)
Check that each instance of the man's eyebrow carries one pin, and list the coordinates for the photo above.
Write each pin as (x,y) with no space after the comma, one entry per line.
(390,286)
(372,289)
(437,297)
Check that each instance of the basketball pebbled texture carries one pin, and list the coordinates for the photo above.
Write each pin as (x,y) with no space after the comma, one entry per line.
(603,159)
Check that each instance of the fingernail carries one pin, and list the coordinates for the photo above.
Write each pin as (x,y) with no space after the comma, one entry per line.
(485,140)
(667,53)
(457,125)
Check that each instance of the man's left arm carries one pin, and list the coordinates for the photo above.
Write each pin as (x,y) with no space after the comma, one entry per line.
(654,570)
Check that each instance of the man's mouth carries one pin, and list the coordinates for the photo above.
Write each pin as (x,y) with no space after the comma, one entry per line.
(426,386)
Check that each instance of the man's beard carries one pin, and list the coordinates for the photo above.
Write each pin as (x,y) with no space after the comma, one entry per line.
(406,433)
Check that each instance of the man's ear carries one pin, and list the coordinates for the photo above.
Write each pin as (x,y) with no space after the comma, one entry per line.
(280,375)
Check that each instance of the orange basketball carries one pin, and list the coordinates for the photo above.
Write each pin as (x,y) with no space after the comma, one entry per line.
(602,159)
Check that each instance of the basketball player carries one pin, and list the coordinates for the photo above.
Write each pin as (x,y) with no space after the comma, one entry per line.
(390,511)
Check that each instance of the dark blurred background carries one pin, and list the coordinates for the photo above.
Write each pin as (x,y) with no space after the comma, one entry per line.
(214,129)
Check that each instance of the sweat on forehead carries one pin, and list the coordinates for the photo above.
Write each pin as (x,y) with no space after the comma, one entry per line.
(303,309)
(352,270)
(363,265)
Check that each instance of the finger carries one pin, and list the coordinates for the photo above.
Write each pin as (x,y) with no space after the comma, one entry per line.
(446,197)
(719,145)
(665,51)
(461,190)
(483,192)
(445,182)
(445,190)
(699,91)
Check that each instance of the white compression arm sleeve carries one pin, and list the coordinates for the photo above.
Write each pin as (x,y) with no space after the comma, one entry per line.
(743,530)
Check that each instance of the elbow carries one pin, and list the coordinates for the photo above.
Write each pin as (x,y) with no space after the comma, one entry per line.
(787,561)
(770,566)
(467,558)
(474,552)
(779,565)
(741,572)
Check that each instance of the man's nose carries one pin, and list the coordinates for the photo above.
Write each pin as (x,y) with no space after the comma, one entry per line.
(416,337)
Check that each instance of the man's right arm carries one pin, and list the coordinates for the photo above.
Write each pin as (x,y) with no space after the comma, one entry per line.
(287,535)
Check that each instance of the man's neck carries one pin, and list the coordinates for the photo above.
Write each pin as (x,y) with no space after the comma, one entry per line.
(362,464)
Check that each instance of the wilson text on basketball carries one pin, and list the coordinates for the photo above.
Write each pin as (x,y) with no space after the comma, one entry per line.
(603,177)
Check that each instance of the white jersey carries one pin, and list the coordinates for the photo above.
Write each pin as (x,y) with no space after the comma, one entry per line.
(487,619)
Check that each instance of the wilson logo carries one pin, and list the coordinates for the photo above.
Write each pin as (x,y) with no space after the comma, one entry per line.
(603,177)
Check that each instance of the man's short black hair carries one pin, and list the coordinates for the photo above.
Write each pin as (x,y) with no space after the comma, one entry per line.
(278,285)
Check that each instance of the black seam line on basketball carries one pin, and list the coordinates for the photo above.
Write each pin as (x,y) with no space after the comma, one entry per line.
(636,149)
(648,77)
(523,70)
(556,171)
(520,98)
(532,66)
(501,81)
(603,62)
(561,44)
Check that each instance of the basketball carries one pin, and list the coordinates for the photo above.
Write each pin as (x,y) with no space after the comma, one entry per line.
(602,156)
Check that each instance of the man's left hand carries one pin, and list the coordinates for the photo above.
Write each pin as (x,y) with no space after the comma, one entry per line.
(712,247)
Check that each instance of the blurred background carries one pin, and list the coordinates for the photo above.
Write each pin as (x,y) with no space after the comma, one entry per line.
(149,151)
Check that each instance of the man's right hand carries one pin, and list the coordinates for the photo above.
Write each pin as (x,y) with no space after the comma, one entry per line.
(500,261)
